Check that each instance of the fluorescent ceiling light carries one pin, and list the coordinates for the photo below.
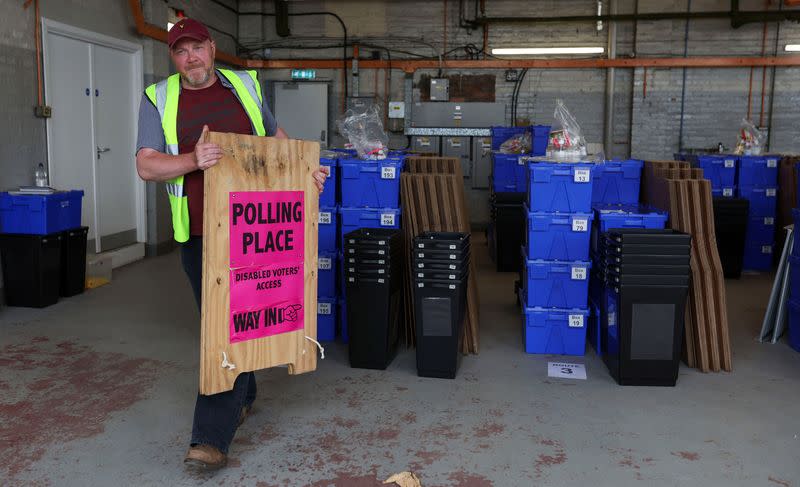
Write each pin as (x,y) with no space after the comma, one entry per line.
(793,47)
(521,51)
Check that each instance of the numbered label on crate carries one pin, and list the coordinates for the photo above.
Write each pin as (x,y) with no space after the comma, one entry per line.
(772,163)
(767,249)
(324,308)
(769,221)
(578,273)
(583,175)
(381,271)
(576,321)
(729,163)
(771,192)
(325,263)
(387,219)
(381,281)
(328,168)
(580,225)
(727,192)
(388,173)
(324,217)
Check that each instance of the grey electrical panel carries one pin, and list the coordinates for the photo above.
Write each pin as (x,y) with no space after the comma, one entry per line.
(481,162)
(426,144)
(440,89)
(466,115)
(359,104)
(458,147)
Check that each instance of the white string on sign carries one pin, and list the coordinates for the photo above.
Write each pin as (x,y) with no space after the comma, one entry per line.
(321,348)
(226,364)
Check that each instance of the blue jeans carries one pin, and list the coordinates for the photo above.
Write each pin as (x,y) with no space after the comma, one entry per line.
(216,417)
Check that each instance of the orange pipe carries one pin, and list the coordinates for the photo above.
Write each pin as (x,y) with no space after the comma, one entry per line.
(411,65)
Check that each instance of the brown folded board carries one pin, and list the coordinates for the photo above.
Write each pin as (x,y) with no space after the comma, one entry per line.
(254,164)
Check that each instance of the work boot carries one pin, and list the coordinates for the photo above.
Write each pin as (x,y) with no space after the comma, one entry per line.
(205,457)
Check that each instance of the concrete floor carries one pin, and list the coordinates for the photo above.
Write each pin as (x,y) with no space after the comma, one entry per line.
(99,390)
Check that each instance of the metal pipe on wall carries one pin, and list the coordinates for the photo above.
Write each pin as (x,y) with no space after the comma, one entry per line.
(683,85)
(608,128)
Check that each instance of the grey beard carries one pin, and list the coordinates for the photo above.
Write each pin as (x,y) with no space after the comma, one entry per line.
(198,82)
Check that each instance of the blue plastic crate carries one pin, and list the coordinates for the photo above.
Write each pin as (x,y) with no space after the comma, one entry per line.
(343,332)
(720,170)
(355,218)
(794,277)
(628,216)
(372,184)
(340,266)
(560,187)
(554,331)
(794,324)
(329,160)
(548,284)
(539,136)
(796,218)
(723,192)
(558,236)
(326,274)
(758,257)
(625,216)
(763,201)
(617,182)
(509,175)
(593,333)
(326,318)
(327,229)
(502,134)
(40,214)
(760,230)
(758,171)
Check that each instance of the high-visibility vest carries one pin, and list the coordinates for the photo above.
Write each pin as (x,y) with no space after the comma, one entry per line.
(164,96)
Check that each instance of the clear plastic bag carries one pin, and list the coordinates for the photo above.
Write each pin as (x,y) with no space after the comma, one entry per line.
(566,138)
(750,141)
(365,132)
(518,144)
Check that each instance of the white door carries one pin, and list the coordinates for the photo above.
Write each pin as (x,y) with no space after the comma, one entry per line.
(301,109)
(70,136)
(113,75)
(93,84)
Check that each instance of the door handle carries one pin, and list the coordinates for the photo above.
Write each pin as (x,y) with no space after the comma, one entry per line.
(101,151)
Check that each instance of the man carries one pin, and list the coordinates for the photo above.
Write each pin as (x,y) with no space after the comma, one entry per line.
(173,116)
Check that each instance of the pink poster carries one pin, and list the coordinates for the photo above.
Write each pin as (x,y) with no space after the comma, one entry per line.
(267,231)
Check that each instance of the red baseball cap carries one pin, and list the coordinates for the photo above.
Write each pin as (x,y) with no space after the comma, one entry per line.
(187,29)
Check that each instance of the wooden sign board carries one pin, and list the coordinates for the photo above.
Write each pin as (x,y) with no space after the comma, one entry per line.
(260,224)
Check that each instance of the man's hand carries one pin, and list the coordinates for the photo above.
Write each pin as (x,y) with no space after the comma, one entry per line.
(320,175)
(206,154)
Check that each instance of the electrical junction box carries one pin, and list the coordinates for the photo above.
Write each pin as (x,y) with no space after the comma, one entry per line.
(440,89)
(397,109)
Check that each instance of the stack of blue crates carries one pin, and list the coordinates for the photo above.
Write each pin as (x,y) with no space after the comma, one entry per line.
(720,170)
(607,217)
(509,175)
(794,279)
(758,182)
(327,257)
(369,197)
(555,280)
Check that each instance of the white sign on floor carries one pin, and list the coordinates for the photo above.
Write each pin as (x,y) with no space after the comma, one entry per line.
(561,370)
